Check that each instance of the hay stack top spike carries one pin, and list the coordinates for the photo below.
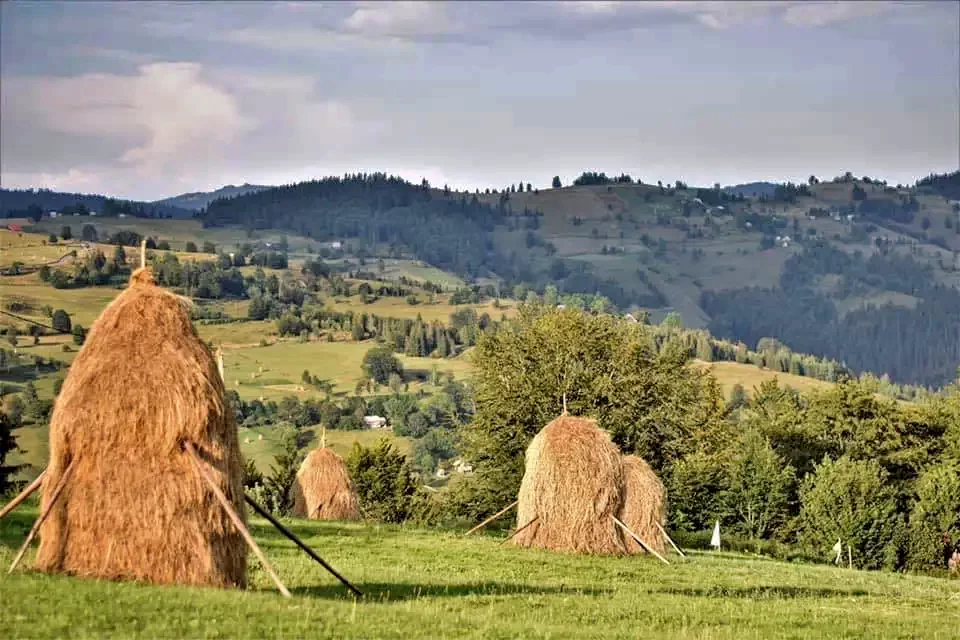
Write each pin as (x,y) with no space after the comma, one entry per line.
(143,276)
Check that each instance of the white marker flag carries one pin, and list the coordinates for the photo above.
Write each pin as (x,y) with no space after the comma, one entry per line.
(838,548)
(715,540)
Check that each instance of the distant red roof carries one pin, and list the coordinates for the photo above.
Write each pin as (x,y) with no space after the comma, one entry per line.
(15,228)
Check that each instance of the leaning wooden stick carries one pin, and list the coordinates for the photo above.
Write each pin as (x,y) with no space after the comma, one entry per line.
(43,516)
(509,537)
(26,493)
(232,513)
(492,518)
(672,543)
(639,541)
(300,543)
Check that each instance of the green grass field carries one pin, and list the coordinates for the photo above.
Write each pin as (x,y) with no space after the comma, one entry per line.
(437,584)
(275,371)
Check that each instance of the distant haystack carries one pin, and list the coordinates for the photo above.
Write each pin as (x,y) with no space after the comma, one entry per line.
(134,506)
(644,505)
(323,490)
(572,485)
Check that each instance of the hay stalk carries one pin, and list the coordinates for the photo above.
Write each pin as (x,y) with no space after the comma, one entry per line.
(492,518)
(237,522)
(43,516)
(26,493)
(670,540)
(300,543)
(639,541)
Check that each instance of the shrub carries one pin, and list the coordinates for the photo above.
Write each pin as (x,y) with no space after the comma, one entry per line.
(379,363)
(760,484)
(695,488)
(251,475)
(276,486)
(61,321)
(935,512)
(852,501)
(381,476)
(8,444)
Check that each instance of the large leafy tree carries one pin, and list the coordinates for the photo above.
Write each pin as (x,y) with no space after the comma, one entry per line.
(599,366)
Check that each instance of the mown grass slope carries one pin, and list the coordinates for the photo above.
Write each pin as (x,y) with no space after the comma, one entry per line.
(436,584)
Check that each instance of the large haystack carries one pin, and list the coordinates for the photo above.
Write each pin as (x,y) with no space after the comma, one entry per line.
(323,490)
(572,486)
(134,506)
(644,505)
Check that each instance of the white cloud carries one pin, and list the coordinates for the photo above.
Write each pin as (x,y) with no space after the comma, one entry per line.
(401,19)
(163,115)
(729,13)
(71,181)
(183,114)
(310,40)
(816,14)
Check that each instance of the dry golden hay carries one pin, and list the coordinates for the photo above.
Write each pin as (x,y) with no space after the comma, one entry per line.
(644,505)
(323,490)
(572,486)
(135,507)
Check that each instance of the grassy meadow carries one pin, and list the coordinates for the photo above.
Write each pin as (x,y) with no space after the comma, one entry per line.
(437,584)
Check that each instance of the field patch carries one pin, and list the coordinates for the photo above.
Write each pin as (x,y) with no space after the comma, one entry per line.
(436,584)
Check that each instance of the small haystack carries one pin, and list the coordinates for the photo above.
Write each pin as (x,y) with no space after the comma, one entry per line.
(135,507)
(572,486)
(323,490)
(644,505)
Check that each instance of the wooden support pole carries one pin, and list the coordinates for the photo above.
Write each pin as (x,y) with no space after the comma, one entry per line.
(300,543)
(672,543)
(639,541)
(237,522)
(143,253)
(26,493)
(510,537)
(492,518)
(43,516)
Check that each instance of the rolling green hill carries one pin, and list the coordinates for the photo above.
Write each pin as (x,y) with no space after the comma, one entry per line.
(746,267)
(850,269)
(199,199)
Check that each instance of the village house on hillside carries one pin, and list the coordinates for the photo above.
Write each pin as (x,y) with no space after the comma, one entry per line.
(374,422)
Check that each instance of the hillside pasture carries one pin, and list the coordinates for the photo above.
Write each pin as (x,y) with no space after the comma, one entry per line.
(176,232)
(750,377)
(437,584)
(275,371)
(264,450)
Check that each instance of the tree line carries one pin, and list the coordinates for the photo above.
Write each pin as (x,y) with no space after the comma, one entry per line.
(915,346)
(778,468)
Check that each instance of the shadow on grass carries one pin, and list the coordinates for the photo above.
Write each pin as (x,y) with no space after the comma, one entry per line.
(763,592)
(15,526)
(394,592)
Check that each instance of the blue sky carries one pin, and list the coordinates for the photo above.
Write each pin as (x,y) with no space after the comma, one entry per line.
(146,100)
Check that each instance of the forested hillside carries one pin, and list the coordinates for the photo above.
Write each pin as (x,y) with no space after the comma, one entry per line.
(918,345)
(31,203)
(380,214)
(197,200)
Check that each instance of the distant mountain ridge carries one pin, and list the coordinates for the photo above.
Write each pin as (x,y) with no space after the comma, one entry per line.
(200,199)
(752,189)
(16,202)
